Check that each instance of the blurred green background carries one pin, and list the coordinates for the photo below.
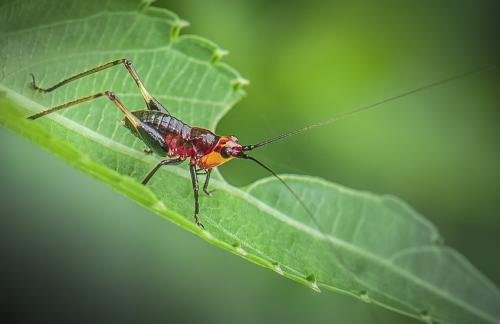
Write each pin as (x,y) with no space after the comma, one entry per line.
(88,253)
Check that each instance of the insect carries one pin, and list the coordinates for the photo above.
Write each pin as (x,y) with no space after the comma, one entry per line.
(169,137)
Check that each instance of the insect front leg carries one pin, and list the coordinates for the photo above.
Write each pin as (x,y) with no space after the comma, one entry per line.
(205,185)
(194,179)
(207,179)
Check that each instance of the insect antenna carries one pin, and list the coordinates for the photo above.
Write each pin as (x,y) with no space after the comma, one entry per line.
(370,106)
(295,195)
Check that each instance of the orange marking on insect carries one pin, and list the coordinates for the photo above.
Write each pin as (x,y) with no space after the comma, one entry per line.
(215,157)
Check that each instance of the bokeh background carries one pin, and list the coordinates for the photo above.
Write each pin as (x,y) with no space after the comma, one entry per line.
(72,248)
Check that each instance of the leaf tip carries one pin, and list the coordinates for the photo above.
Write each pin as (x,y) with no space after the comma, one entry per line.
(145,4)
(363,295)
(218,54)
(426,317)
(176,28)
(239,249)
(277,268)
(313,284)
(239,83)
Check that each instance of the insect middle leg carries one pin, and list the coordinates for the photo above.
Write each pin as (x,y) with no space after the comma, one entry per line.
(151,102)
(158,166)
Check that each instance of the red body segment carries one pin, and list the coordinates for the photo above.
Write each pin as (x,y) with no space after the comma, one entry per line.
(171,137)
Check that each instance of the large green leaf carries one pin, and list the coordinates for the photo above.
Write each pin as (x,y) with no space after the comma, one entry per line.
(376,248)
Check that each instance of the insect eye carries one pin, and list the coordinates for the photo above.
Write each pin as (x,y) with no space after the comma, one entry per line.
(224,152)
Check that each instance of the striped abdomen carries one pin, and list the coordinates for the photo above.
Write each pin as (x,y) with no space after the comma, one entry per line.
(179,139)
(165,123)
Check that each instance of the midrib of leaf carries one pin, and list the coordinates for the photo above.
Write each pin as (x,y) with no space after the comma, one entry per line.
(118,147)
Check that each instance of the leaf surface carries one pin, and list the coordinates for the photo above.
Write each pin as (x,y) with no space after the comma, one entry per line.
(374,247)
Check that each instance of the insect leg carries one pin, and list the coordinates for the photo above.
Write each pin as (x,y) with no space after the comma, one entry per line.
(110,95)
(207,179)
(151,102)
(205,185)
(194,178)
(160,164)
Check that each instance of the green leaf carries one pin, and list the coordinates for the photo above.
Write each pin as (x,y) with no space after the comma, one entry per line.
(373,247)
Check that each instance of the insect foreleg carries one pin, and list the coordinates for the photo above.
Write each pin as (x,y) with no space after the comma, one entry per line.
(110,95)
(205,185)
(151,102)
(207,179)
(194,178)
(159,165)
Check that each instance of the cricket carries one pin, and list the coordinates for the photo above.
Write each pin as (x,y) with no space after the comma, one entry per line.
(175,141)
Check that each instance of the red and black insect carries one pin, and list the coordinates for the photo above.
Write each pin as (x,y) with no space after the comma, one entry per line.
(169,137)
(164,134)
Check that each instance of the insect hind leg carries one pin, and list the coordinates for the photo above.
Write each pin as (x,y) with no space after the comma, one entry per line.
(134,121)
(151,102)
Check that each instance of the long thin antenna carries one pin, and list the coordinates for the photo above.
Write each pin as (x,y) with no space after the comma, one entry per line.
(371,106)
(301,202)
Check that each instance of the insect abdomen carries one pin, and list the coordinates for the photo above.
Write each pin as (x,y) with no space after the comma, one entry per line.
(173,132)
(164,123)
